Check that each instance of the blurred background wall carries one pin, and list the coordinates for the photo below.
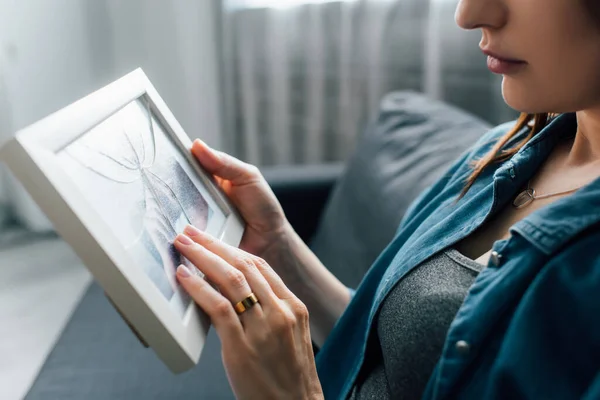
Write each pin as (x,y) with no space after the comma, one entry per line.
(270,81)
(303,77)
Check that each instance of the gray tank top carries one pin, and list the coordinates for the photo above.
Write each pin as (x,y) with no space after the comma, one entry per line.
(409,331)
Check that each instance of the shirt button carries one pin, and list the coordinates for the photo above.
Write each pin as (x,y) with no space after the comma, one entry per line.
(462,347)
(495,258)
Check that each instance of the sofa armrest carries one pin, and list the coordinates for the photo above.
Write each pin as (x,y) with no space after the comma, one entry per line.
(303,191)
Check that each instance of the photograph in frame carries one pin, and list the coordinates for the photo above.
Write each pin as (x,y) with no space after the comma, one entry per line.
(133,175)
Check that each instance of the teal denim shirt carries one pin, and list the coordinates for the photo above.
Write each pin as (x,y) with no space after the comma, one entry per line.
(530,324)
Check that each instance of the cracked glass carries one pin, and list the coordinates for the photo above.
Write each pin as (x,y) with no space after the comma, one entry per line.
(141,185)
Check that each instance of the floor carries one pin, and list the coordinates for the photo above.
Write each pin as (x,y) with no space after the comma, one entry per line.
(41,283)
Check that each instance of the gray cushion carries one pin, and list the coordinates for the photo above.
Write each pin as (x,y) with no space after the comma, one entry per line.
(411,144)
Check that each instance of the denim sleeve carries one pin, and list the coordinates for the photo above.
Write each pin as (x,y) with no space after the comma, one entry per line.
(415,205)
(551,349)
(593,392)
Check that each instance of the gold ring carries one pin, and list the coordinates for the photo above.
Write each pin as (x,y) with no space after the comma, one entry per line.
(245,304)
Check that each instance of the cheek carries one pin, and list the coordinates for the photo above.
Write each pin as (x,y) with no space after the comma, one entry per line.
(564,85)
(563,51)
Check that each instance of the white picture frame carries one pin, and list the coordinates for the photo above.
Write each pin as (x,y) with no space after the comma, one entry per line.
(80,166)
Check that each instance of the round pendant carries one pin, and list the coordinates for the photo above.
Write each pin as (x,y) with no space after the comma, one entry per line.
(524,198)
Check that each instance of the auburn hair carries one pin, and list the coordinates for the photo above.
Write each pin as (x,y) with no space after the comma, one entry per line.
(497,154)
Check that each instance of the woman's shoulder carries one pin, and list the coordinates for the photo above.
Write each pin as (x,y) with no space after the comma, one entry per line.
(464,164)
(490,138)
(451,182)
(498,131)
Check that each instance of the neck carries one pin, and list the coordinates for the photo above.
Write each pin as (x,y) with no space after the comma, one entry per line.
(585,150)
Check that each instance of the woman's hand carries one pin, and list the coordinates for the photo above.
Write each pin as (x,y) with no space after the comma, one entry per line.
(250,193)
(269,236)
(267,350)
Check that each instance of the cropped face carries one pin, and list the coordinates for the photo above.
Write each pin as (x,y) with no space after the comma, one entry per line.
(548,51)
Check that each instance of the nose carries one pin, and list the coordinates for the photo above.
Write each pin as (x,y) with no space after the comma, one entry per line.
(474,14)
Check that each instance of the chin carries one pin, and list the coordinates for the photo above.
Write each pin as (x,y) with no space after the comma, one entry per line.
(524,99)
(535,100)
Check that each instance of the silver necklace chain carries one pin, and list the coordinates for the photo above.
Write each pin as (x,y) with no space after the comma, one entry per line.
(528,195)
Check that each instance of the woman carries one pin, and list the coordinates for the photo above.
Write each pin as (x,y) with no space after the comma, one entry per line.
(490,288)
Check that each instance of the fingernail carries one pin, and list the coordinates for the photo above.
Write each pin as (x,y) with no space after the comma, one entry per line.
(184,240)
(203,143)
(192,231)
(183,271)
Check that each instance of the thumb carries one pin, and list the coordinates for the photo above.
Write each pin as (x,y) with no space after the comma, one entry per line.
(223,165)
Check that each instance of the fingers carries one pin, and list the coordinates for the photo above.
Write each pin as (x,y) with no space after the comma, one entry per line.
(274,280)
(231,282)
(223,165)
(218,308)
(238,259)
(262,278)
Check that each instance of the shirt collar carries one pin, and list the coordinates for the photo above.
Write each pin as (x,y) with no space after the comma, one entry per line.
(551,227)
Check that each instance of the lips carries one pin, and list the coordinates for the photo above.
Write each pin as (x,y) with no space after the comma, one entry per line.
(500,64)
(501,57)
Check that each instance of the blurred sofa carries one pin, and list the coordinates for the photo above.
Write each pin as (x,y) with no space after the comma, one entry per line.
(348,213)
